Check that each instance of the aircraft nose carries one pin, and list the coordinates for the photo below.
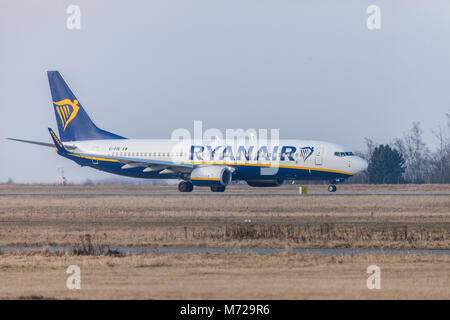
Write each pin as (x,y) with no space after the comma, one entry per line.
(360,164)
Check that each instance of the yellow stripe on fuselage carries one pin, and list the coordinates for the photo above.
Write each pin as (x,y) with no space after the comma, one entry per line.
(92,158)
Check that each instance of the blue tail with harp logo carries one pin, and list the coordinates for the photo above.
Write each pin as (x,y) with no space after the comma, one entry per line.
(74,123)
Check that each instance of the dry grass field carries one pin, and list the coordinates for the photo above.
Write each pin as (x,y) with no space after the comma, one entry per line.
(223,276)
(234,221)
(277,221)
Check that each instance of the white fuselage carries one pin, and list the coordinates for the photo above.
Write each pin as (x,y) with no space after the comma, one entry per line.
(308,154)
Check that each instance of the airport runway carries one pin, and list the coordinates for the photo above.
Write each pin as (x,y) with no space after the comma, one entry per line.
(263,251)
(231,193)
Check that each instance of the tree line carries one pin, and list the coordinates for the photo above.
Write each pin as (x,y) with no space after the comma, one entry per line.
(408,159)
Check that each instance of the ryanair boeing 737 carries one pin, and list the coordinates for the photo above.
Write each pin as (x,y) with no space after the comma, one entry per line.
(206,163)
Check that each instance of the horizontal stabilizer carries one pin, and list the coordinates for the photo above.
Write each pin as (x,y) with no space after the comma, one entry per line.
(51,145)
(45,144)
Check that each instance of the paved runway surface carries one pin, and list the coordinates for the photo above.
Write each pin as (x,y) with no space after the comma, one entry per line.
(168,250)
(230,193)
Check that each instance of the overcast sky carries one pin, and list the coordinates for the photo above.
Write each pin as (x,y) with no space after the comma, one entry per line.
(144,68)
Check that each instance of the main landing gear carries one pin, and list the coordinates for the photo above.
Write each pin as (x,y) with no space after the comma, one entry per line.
(217,188)
(332,188)
(185,186)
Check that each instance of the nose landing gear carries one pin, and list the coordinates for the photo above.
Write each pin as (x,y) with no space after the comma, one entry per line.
(332,186)
(185,186)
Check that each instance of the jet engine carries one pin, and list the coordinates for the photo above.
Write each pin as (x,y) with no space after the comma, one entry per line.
(266,183)
(211,176)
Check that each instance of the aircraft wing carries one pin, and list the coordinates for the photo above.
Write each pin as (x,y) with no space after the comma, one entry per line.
(147,164)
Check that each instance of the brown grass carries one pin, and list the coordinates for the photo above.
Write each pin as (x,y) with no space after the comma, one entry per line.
(93,223)
(223,276)
(374,221)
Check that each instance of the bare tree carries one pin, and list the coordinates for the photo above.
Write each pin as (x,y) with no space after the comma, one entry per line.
(440,162)
(416,155)
(370,147)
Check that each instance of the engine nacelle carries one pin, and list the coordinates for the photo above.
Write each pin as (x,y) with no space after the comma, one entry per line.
(211,176)
(266,183)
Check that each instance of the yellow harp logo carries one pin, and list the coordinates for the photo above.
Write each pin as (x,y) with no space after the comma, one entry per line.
(67,111)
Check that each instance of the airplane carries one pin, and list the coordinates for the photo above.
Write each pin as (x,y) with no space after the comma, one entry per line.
(209,163)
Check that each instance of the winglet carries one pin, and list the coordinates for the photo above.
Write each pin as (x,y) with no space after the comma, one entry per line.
(59,146)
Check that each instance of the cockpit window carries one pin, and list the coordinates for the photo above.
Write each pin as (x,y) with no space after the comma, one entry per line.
(343,154)
(349,154)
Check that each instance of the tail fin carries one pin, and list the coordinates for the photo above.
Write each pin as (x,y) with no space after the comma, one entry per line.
(74,123)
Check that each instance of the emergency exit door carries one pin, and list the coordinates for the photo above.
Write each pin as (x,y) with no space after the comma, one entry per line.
(319,156)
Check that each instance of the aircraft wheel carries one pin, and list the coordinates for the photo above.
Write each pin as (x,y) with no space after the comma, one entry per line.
(332,188)
(185,186)
(217,188)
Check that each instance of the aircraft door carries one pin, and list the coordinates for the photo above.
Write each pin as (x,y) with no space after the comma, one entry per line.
(319,156)
(96,150)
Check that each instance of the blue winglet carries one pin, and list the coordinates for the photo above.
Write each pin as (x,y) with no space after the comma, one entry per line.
(58,144)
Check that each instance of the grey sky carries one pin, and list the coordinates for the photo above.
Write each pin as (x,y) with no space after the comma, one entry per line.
(143,68)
